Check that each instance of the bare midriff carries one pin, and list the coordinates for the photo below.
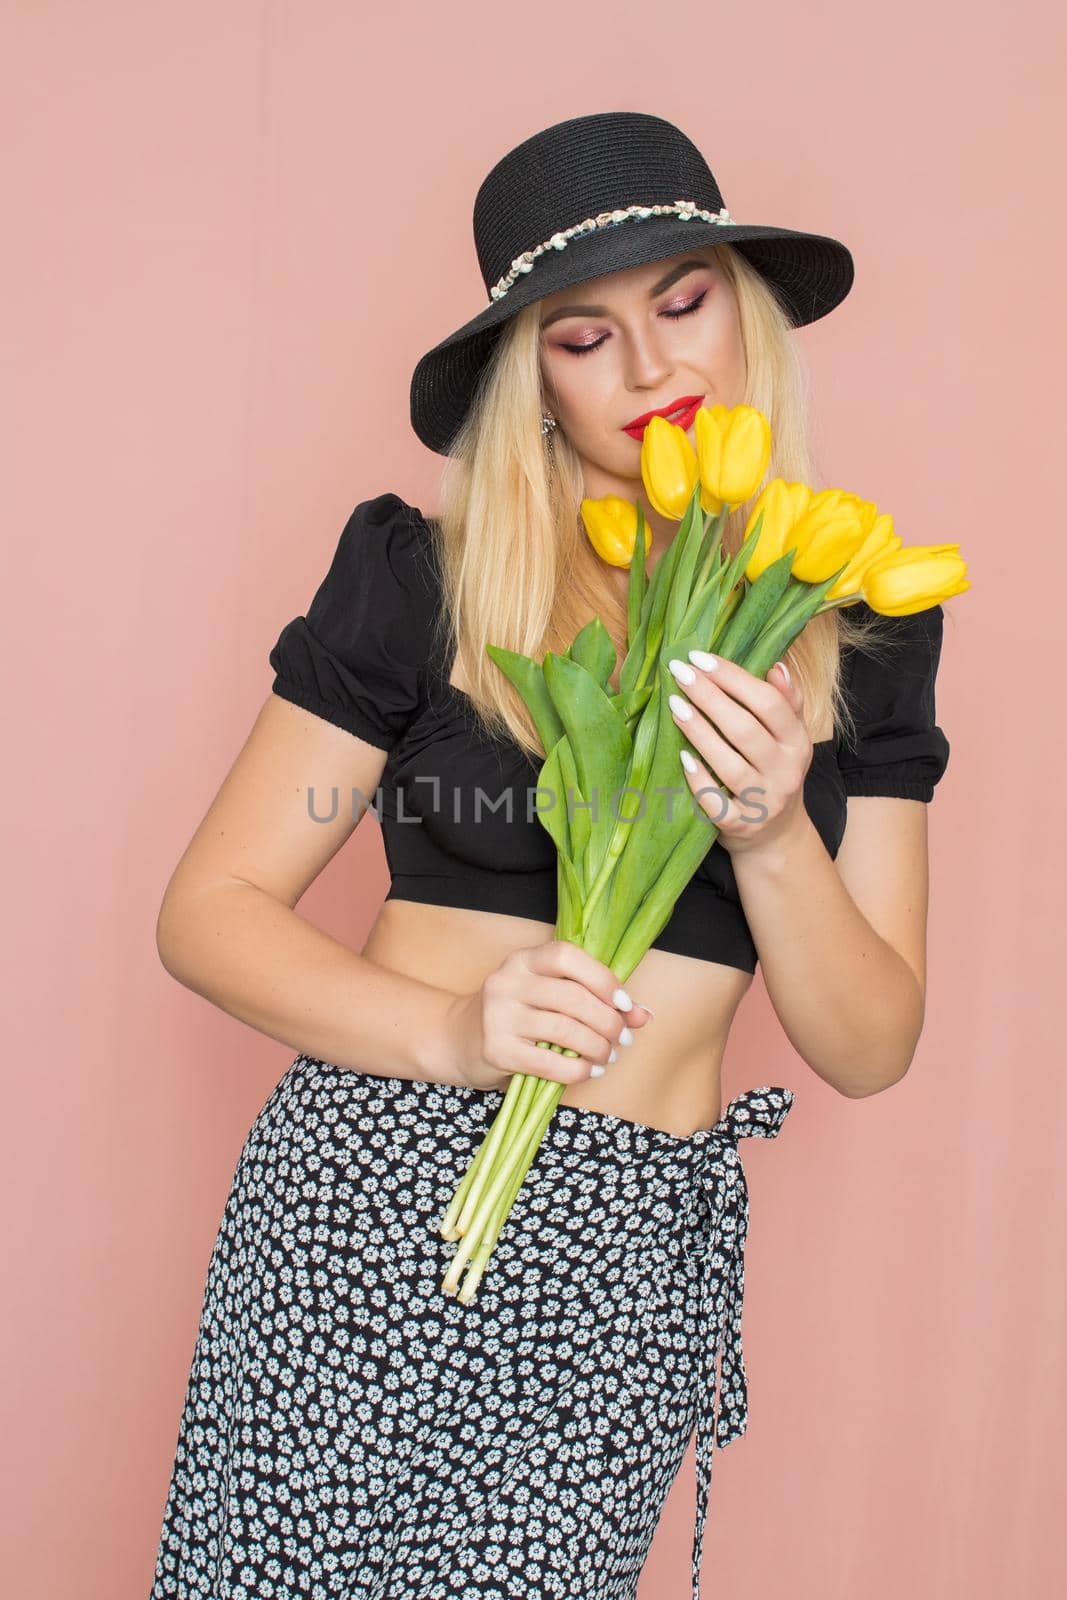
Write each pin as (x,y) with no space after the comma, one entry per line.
(668,1078)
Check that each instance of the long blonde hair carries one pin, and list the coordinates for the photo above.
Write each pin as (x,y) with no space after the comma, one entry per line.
(516,565)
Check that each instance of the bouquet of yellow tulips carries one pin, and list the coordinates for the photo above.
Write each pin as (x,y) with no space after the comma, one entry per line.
(625,852)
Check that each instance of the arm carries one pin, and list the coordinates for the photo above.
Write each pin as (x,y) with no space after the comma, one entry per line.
(348,681)
(228,930)
(842,944)
(227,926)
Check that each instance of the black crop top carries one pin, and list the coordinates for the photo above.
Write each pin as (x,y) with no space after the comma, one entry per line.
(456,806)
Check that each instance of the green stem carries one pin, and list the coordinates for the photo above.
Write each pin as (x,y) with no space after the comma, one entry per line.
(505,1168)
(485,1247)
(480,1172)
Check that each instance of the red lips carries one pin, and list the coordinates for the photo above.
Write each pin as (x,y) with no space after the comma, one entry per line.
(687,404)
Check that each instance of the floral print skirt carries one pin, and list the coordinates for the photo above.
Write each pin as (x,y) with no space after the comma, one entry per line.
(350,1430)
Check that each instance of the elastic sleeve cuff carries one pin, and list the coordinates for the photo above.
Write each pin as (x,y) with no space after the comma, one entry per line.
(861,783)
(341,717)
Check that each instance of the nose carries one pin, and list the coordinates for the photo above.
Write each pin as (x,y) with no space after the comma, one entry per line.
(647,363)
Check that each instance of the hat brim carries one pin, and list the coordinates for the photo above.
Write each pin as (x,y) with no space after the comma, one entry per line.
(811,273)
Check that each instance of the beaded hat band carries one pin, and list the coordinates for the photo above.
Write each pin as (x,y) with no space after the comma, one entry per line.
(559,241)
(614,170)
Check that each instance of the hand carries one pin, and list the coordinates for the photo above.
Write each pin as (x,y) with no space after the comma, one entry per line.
(751,734)
(552,991)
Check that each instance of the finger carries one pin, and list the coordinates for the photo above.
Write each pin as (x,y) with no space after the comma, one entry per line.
(732,720)
(541,1063)
(719,755)
(561,958)
(573,999)
(718,806)
(555,1027)
(761,699)
(788,685)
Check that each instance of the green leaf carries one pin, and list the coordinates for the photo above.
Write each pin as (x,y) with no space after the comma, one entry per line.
(690,538)
(593,649)
(738,562)
(578,817)
(703,611)
(601,745)
(648,920)
(650,837)
(569,901)
(632,666)
(635,594)
(784,626)
(658,592)
(630,807)
(528,678)
(758,606)
(633,703)
(553,818)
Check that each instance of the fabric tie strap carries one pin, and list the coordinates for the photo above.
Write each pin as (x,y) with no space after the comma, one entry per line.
(718,1215)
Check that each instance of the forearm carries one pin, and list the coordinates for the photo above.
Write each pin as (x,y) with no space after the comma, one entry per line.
(262,962)
(849,1003)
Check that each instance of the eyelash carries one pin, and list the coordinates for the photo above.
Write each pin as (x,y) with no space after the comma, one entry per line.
(683,311)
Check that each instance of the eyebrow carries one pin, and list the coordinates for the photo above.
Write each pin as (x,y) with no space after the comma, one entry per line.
(680,271)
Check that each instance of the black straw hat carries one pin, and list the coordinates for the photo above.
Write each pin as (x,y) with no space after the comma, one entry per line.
(595,195)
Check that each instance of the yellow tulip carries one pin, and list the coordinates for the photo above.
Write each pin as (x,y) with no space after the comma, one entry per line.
(914,579)
(829,533)
(879,542)
(781,504)
(733,449)
(611,524)
(668,468)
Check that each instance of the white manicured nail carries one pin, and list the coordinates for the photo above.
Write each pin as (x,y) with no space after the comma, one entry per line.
(680,707)
(687,761)
(597,1072)
(683,673)
(700,658)
(621,999)
(626,1037)
(614,1056)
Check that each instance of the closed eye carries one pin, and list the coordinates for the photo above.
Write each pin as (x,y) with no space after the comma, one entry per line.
(683,311)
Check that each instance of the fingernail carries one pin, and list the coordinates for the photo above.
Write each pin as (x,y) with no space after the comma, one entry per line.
(626,1037)
(683,673)
(597,1072)
(785,669)
(700,658)
(647,1008)
(614,1056)
(621,999)
(687,761)
(679,707)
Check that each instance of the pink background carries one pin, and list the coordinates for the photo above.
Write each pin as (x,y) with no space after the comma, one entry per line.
(231,232)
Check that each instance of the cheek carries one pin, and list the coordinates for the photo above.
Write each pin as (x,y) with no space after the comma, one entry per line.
(581,384)
(725,353)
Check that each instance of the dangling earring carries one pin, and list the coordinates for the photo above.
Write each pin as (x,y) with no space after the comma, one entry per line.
(548,422)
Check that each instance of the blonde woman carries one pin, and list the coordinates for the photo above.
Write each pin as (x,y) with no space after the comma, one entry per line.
(349,1429)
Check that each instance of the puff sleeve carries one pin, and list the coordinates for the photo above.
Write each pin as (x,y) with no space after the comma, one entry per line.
(898,748)
(357,658)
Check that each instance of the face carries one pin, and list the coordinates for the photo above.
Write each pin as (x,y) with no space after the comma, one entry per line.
(631,342)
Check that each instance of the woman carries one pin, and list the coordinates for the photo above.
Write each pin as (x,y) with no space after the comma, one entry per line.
(349,1429)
